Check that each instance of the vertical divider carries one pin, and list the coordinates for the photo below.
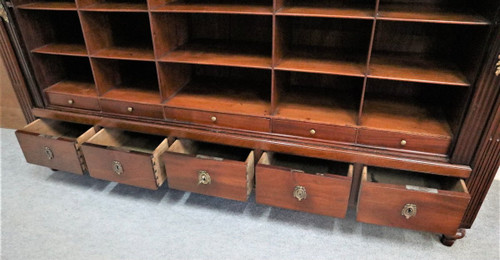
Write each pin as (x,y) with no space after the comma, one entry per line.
(367,68)
(86,41)
(161,86)
(276,56)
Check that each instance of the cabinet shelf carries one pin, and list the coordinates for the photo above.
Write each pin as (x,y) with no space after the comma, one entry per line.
(49,5)
(328,11)
(323,60)
(229,54)
(416,69)
(71,87)
(216,7)
(429,14)
(126,53)
(116,7)
(134,94)
(222,95)
(408,117)
(62,49)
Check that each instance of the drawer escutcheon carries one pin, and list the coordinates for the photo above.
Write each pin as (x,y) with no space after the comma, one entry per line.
(48,152)
(117,167)
(204,178)
(300,193)
(409,210)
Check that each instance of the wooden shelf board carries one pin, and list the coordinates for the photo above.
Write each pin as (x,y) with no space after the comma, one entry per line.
(329,12)
(61,6)
(116,7)
(430,14)
(73,88)
(391,115)
(322,62)
(314,107)
(181,7)
(62,49)
(126,53)
(236,55)
(132,94)
(234,97)
(415,69)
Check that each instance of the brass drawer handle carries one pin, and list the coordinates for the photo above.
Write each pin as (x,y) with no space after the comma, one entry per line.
(204,178)
(497,71)
(48,152)
(130,109)
(409,210)
(403,142)
(117,167)
(300,193)
(312,132)
(213,118)
(71,101)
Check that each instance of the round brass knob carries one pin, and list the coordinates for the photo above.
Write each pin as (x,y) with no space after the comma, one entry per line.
(409,210)
(71,101)
(312,132)
(403,142)
(213,118)
(130,109)
(300,193)
(204,178)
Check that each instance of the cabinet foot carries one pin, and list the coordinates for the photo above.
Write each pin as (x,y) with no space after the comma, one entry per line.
(450,240)
(54,170)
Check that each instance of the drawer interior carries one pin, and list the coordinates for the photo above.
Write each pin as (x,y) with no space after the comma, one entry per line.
(210,150)
(399,177)
(306,164)
(56,128)
(126,140)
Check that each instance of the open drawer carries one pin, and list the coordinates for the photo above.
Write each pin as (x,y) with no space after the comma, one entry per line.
(126,157)
(55,144)
(306,184)
(412,200)
(210,169)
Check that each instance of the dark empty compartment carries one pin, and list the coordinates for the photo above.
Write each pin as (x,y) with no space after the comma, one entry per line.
(213,151)
(215,39)
(52,69)
(318,97)
(425,52)
(118,35)
(52,32)
(333,46)
(127,80)
(223,89)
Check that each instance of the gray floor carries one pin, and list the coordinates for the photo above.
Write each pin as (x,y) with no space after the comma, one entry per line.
(56,215)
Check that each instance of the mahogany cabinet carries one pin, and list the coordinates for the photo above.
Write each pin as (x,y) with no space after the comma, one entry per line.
(389,106)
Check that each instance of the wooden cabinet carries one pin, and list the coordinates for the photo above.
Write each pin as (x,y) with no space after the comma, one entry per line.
(385,84)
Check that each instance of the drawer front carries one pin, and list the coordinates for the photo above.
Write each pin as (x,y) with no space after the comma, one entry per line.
(397,140)
(383,204)
(132,109)
(105,164)
(57,154)
(228,179)
(312,130)
(219,119)
(324,195)
(90,103)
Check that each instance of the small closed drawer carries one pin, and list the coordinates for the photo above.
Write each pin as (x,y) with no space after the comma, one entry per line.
(423,143)
(55,144)
(252,123)
(210,169)
(132,108)
(313,130)
(75,101)
(412,200)
(126,157)
(306,184)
